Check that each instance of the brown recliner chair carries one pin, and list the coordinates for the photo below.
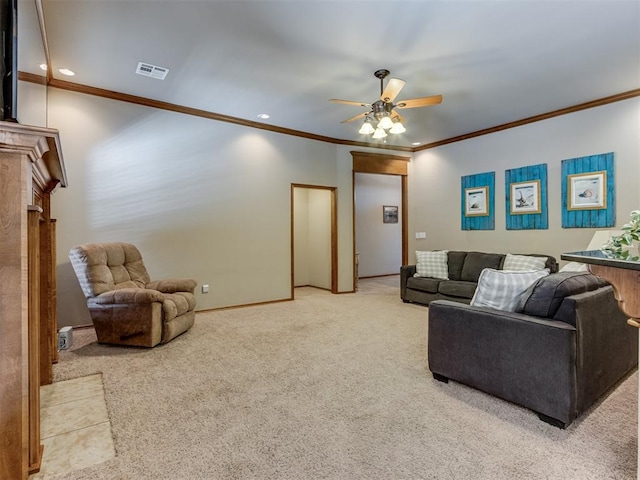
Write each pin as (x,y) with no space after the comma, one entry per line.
(126,307)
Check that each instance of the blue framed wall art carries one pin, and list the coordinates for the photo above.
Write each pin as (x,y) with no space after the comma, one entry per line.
(588,192)
(477,201)
(526,198)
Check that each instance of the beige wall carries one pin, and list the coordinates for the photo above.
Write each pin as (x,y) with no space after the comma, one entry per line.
(434,179)
(32,98)
(211,200)
(203,199)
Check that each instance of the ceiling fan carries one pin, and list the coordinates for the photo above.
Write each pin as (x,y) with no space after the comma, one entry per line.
(384,111)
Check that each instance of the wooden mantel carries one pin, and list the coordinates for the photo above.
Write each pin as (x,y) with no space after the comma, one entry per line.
(31,168)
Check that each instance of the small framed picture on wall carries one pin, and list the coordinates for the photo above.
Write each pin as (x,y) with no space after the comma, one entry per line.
(525,197)
(475,201)
(389,214)
(587,191)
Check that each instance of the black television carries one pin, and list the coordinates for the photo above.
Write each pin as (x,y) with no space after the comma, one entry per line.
(9,60)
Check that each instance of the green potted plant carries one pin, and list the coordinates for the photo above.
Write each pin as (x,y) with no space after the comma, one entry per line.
(625,245)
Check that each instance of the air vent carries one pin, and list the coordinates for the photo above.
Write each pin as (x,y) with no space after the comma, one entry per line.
(152,71)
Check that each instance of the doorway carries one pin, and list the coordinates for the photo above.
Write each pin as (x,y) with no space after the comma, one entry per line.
(314,238)
(378,206)
(365,162)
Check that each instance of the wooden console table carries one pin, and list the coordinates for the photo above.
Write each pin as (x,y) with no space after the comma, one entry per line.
(31,168)
(624,276)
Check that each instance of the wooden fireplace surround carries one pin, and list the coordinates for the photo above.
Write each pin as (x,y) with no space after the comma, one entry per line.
(31,168)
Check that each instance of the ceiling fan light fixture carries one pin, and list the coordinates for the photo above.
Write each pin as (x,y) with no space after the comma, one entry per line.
(382,116)
(379,133)
(385,122)
(366,128)
(397,128)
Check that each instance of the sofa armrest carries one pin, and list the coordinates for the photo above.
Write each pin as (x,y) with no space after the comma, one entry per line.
(172,285)
(125,296)
(607,348)
(406,271)
(524,359)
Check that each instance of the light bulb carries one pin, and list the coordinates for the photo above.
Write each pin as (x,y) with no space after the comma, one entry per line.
(397,128)
(366,128)
(379,133)
(385,123)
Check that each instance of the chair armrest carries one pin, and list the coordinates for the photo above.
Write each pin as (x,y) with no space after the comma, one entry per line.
(172,285)
(128,296)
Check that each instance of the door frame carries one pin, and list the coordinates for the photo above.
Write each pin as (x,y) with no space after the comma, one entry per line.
(334,234)
(384,164)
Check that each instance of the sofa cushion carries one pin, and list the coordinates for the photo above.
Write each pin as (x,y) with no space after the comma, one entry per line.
(521,263)
(575,267)
(432,264)
(546,295)
(475,262)
(502,289)
(455,263)
(457,288)
(429,285)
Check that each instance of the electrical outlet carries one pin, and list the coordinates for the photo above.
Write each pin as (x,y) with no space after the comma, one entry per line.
(65,338)
(205,288)
(421,234)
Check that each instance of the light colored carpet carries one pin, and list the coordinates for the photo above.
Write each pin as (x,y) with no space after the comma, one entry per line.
(329,387)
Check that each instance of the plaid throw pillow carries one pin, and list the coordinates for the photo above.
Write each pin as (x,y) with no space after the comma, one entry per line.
(522,263)
(432,264)
(503,290)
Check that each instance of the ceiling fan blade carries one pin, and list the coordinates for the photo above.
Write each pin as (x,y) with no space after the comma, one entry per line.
(392,89)
(357,117)
(349,102)
(420,102)
(395,114)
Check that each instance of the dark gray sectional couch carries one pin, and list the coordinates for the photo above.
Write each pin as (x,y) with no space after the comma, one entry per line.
(464,270)
(566,345)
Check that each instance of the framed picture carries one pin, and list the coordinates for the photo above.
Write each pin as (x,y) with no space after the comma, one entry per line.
(389,214)
(587,191)
(525,197)
(475,201)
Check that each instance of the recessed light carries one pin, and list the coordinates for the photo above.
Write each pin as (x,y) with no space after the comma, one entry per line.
(263,116)
(67,72)
(43,66)
(416,143)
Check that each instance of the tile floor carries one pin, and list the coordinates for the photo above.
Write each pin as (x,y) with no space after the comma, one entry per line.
(74,426)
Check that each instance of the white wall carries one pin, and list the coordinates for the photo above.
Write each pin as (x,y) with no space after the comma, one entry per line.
(434,179)
(319,238)
(312,237)
(379,245)
(301,237)
(202,199)
(32,104)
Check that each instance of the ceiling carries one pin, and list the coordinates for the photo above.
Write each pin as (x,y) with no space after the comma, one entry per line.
(494,62)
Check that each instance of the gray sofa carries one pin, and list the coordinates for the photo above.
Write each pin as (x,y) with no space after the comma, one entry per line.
(565,347)
(464,269)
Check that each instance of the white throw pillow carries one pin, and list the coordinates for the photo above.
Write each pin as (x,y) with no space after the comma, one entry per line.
(574,267)
(432,264)
(502,290)
(522,263)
